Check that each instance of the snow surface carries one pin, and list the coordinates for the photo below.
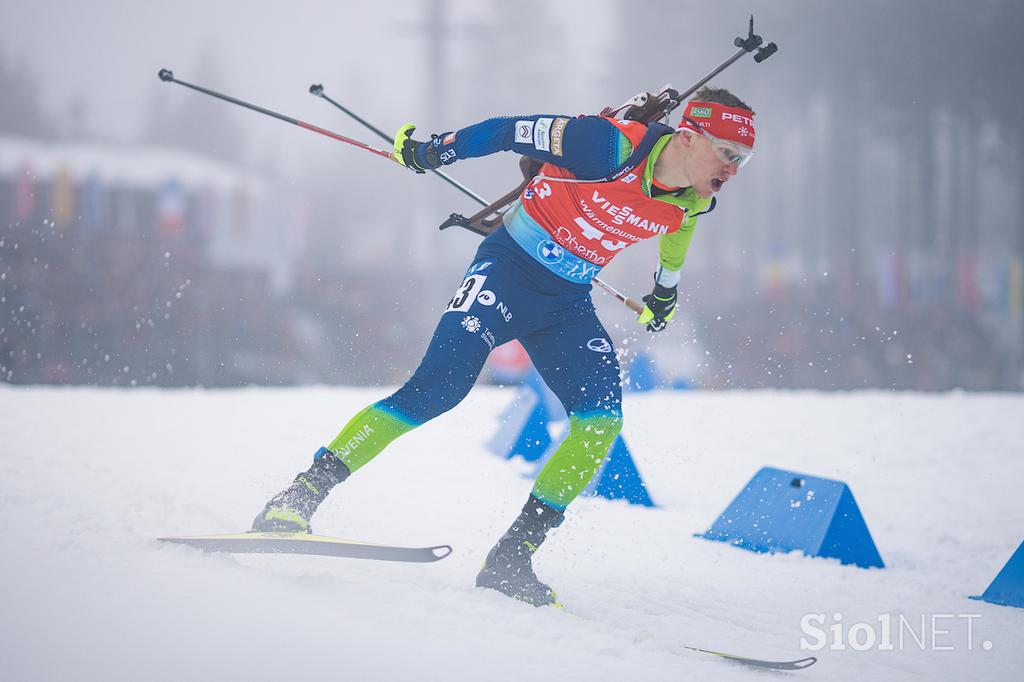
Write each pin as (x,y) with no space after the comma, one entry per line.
(88,477)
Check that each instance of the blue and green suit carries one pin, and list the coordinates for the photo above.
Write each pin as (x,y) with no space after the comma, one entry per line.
(509,293)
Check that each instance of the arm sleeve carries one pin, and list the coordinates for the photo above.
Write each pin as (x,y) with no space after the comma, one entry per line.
(672,249)
(589,146)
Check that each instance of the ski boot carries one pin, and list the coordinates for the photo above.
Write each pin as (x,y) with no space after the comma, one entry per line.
(290,510)
(508,568)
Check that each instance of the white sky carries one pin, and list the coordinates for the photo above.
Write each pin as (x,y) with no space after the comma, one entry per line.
(108,54)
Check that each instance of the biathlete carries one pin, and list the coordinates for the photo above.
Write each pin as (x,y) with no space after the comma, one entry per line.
(605,185)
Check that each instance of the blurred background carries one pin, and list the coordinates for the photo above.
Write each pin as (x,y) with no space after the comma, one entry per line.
(153,236)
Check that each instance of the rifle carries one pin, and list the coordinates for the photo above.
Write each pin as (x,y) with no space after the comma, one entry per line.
(644,107)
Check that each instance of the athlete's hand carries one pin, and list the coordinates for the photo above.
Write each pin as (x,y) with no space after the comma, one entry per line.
(416,156)
(660,306)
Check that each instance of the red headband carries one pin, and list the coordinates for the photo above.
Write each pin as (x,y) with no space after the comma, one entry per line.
(729,123)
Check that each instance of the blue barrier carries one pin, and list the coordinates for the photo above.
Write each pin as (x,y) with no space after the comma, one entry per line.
(618,478)
(524,423)
(1007,589)
(643,374)
(783,511)
(525,432)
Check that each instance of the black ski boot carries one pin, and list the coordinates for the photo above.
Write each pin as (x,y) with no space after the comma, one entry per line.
(290,510)
(508,568)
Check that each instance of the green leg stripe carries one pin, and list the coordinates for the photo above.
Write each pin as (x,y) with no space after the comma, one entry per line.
(286,515)
(368,433)
(309,485)
(577,459)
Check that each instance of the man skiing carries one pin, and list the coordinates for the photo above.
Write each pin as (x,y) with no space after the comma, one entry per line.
(605,184)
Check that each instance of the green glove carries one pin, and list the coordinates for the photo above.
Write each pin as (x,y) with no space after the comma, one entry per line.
(660,306)
(416,156)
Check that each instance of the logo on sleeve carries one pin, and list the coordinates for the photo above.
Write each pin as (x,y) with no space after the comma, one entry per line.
(542,134)
(557,130)
(524,132)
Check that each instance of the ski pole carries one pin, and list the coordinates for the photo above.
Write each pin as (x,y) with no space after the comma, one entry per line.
(317,90)
(749,44)
(631,303)
(167,76)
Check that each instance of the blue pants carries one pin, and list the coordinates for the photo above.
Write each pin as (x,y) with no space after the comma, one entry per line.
(507,295)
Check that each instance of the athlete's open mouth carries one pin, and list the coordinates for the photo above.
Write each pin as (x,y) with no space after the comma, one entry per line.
(716,183)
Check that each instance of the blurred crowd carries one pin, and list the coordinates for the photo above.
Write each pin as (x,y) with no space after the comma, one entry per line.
(804,342)
(132,299)
(140,297)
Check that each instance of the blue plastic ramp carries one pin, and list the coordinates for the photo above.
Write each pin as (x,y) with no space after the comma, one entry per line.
(1008,587)
(785,511)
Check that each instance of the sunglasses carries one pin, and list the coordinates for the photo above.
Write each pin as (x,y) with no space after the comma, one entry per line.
(727,151)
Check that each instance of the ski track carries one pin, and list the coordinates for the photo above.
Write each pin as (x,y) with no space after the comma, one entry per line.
(88,477)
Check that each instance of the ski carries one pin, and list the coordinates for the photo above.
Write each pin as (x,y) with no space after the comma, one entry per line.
(306,543)
(759,663)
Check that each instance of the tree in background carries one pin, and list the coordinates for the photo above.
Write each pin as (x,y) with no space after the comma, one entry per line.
(20,110)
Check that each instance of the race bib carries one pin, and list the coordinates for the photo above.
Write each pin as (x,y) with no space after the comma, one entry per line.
(466,294)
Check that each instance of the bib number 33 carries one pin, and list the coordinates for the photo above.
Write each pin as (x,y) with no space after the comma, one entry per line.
(466,294)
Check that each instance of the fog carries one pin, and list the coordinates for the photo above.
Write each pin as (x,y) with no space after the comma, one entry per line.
(150,235)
